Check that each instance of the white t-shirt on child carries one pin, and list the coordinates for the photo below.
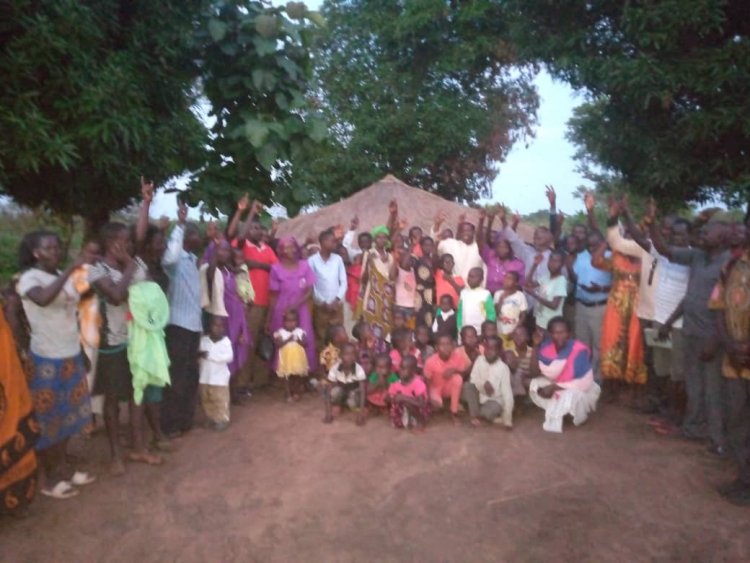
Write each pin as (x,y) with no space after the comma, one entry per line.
(510,311)
(284,334)
(214,368)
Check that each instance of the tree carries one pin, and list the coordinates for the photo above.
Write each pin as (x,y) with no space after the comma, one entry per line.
(96,93)
(427,90)
(667,86)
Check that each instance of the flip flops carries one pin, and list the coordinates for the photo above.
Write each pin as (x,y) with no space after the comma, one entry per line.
(61,491)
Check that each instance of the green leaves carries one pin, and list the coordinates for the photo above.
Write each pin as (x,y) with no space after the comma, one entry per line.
(217,29)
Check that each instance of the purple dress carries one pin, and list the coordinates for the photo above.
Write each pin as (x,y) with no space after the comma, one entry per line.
(236,322)
(290,285)
(496,270)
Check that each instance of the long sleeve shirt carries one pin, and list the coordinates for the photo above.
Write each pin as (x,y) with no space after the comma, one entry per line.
(330,278)
(498,376)
(526,254)
(214,368)
(184,283)
(474,307)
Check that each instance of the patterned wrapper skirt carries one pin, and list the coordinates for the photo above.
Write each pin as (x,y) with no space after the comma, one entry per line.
(61,398)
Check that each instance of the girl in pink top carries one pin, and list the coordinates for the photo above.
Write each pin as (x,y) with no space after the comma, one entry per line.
(410,407)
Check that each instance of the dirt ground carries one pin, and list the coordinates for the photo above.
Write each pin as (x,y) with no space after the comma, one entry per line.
(279,485)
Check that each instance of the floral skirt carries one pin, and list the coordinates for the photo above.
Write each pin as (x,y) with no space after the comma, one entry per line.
(61,398)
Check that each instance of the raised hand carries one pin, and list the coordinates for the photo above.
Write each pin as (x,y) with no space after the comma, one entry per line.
(650,210)
(500,213)
(354,225)
(551,195)
(482,213)
(182,213)
(256,208)
(163,223)
(403,223)
(243,203)
(614,207)
(515,220)
(147,190)
(338,232)
(589,201)
(393,207)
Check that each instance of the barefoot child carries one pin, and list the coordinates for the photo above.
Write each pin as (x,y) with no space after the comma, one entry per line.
(488,392)
(290,343)
(346,385)
(331,354)
(380,380)
(475,303)
(215,355)
(410,407)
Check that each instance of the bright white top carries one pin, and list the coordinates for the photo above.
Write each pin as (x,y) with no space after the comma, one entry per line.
(330,278)
(214,368)
(474,304)
(671,287)
(214,303)
(510,311)
(498,376)
(54,328)
(465,256)
(297,333)
(338,376)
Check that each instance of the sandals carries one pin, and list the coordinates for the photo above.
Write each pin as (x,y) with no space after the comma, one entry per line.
(61,491)
(81,478)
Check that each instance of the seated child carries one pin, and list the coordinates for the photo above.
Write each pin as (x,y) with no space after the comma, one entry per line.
(475,303)
(346,385)
(215,354)
(445,319)
(423,338)
(470,347)
(292,364)
(409,405)
(368,343)
(522,362)
(403,345)
(399,321)
(488,392)
(511,307)
(489,329)
(379,381)
(331,354)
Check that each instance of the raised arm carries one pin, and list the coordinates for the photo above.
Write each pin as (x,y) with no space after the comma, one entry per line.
(392,222)
(233,227)
(616,241)
(176,239)
(480,238)
(44,295)
(657,240)
(590,203)
(141,226)
(635,232)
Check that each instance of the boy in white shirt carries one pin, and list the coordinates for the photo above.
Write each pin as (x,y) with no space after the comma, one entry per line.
(488,393)
(510,308)
(215,353)
(475,304)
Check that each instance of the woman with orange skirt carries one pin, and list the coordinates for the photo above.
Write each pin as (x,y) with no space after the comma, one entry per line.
(622,352)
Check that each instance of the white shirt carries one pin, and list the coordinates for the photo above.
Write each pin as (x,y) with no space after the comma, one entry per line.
(284,334)
(330,278)
(213,303)
(526,254)
(54,328)
(498,376)
(649,270)
(338,376)
(214,368)
(465,256)
(473,304)
(671,288)
(348,243)
(510,311)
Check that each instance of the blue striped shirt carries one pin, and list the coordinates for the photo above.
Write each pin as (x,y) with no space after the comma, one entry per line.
(184,287)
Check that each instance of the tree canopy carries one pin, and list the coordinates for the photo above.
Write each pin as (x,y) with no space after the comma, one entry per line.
(667,85)
(96,93)
(427,90)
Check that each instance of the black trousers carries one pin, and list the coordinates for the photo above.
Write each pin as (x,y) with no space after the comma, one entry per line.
(178,404)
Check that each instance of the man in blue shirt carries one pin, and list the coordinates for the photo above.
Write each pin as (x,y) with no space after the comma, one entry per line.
(592,290)
(330,287)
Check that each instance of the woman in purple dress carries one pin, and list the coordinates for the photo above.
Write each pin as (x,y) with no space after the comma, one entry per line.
(497,255)
(291,286)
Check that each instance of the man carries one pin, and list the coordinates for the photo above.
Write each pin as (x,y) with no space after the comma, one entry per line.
(330,287)
(731,298)
(592,291)
(259,258)
(703,382)
(463,248)
(183,333)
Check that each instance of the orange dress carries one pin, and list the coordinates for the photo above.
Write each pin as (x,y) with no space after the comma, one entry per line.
(622,352)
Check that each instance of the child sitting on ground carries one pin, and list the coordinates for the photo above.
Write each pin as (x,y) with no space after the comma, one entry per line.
(379,381)
(445,319)
(403,345)
(522,362)
(292,359)
(409,405)
(215,354)
(368,343)
(488,392)
(331,354)
(489,329)
(423,338)
(399,321)
(346,385)
(511,307)
(470,348)
(475,303)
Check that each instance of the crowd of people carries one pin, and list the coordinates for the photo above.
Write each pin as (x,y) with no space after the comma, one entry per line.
(393,323)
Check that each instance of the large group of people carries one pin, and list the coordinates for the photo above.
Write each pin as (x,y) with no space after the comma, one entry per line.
(393,323)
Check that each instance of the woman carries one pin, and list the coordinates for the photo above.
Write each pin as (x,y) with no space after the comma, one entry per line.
(291,286)
(498,256)
(424,272)
(58,385)
(19,430)
(567,383)
(376,305)
(622,352)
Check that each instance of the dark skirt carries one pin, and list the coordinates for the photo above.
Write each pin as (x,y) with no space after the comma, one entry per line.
(113,377)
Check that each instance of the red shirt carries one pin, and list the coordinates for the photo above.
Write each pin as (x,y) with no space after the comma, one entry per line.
(435,367)
(443,287)
(258,276)
(353,277)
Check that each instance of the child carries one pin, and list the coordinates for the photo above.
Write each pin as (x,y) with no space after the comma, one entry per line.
(522,361)
(380,380)
(369,345)
(403,345)
(445,318)
(475,303)
(215,354)
(399,321)
(550,292)
(331,354)
(245,288)
(488,392)
(489,329)
(290,343)
(410,407)
(423,339)
(346,385)
(511,307)
(470,348)
(446,283)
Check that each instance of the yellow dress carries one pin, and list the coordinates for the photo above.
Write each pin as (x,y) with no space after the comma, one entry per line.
(292,355)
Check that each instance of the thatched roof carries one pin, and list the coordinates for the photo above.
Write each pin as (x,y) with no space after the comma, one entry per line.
(371,206)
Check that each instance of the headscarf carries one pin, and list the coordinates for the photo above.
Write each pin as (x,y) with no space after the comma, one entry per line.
(283,241)
(379,230)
